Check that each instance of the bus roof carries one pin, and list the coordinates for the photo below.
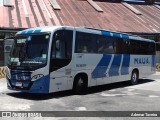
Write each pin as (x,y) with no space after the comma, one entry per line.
(87,29)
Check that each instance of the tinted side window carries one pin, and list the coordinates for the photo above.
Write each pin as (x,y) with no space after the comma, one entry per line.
(92,43)
(141,47)
(122,46)
(148,48)
(134,47)
(85,43)
(68,36)
(105,44)
(152,48)
(61,51)
(62,44)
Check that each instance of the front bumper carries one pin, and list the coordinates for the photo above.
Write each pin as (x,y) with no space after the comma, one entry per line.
(40,85)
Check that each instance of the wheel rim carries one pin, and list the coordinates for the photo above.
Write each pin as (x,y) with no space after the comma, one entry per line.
(80,82)
(134,77)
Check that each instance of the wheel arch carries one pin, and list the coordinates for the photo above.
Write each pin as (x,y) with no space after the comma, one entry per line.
(137,70)
(83,75)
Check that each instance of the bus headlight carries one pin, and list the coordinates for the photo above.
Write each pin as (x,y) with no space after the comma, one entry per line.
(35,77)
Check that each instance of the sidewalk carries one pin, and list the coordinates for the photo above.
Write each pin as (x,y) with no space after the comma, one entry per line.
(2,78)
(157,73)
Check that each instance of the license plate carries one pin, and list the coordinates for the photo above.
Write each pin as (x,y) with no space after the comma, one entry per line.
(18,84)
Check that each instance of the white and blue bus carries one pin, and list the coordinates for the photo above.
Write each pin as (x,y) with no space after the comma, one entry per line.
(58,58)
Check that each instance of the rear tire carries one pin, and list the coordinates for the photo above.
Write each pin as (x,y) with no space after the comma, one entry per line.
(134,77)
(79,85)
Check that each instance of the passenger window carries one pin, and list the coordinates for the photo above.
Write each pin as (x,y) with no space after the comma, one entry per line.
(58,46)
(105,45)
(85,43)
(122,46)
(92,43)
(62,45)
(61,52)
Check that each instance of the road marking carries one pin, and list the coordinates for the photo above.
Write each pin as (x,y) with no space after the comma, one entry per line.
(3,87)
(132,93)
(152,86)
(112,90)
(131,90)
(108,95)
(80,109)
(15,106)
(153,96)
(111,95)
(126,93)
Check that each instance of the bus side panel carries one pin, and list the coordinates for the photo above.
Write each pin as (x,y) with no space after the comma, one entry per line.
(59,79)
(101,69)
(87,63)
(120,68)
(63,78)
(153,66)
(144,63)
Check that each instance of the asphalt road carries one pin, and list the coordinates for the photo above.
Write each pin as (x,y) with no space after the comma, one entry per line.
(112,97)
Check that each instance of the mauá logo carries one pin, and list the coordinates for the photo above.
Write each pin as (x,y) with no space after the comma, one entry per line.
(141,60)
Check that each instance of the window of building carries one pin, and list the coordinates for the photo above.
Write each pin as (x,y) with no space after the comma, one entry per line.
(2,35)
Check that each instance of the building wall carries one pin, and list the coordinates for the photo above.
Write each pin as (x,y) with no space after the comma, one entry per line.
(1,52)
(157,56)
(4,55)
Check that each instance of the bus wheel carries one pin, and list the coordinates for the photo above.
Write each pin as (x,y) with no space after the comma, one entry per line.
(134,77)
(79,85)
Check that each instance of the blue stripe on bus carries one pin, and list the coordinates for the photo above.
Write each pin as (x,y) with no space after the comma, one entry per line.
(125,65)
(37,31)
(29,31)
(102,66)
(105,33)
(113,71)
(116,35)
(23,32)
(119,35)
(41,85)
(125,36)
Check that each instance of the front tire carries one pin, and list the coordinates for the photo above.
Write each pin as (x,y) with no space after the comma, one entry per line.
(134,77)
(79,85)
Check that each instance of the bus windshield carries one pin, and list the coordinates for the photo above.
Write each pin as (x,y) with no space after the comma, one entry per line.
(29,50)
